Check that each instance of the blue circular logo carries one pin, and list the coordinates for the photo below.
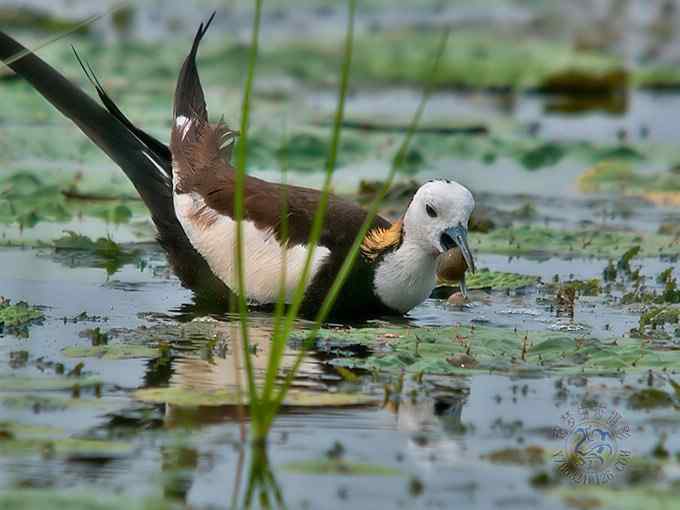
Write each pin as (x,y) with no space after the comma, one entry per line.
(592,451)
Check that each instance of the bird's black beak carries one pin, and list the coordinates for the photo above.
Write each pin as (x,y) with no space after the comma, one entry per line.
(457,236)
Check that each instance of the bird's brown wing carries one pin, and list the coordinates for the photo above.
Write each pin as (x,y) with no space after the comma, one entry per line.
(201,166)
(265,204)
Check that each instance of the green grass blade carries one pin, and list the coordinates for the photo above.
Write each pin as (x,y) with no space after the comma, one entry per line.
(279,344)
(240,174)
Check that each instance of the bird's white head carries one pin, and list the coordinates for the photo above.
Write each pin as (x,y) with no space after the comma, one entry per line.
(437,218)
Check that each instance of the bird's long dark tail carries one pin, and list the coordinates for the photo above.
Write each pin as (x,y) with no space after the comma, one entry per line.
(146,161)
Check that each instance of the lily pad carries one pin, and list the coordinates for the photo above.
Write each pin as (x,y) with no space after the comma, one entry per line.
(67,447)
(45,383)
(13,316)
(103,252)
(27,431)
(427,350)
(308,150)
(112,351)
(76,499)
(23,438)
(52,402)
(548,154)
(29,198)
(530,456)
(650,398)
(185,397)
(616,176)
(619,498)
(528,240)
(494,280)
(338,467)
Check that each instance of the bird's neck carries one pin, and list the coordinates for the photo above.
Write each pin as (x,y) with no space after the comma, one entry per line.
(405,277)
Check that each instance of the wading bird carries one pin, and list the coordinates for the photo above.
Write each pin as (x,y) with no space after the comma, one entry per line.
(189,188)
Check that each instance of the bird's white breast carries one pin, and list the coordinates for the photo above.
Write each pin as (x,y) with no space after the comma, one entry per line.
(264,257)
(405,278)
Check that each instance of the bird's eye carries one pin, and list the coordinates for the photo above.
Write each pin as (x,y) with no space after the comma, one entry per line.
(430,211)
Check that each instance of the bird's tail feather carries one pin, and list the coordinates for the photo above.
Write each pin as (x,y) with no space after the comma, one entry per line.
(189,98)
(147,170)
(145,160)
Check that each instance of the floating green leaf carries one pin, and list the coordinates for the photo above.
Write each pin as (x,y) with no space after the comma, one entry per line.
(548,154)
(76,499)
(437,351)
(187,397)
(52,401)
(112,351)
(650,398)
(619,498)
(528,240)
(619,176)
(496,280)
(29,199)
(531,455)
(46,383)
(16,315)
(103,252)
(338,467)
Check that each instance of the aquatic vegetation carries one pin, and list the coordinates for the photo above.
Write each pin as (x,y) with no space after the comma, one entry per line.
(650,398)
(491,280)
(590,287)
(46,383)
(474,60)
(307,151)
(187,397)
(104,252)
(656,317)
(338,467)
(429,374)
(624,261)
(547,154)
(487,279)
(66,447)
(609,498)
(78,499)
(34,18)
(669,294)
(441,350)
(29,198)
(530,153)
(528,240)
(15,318)
(661,188)
(528,456)
(48,402)
(113,351)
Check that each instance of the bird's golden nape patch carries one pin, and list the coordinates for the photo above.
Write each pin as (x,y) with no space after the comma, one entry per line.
(379,240)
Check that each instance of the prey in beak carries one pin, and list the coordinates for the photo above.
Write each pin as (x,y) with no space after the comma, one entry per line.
(457,237)
(457,257)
